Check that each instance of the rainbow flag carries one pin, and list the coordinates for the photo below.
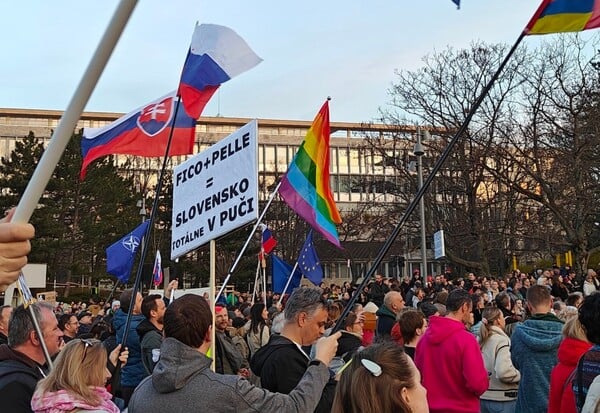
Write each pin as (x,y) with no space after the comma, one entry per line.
(305,186)
(556,16)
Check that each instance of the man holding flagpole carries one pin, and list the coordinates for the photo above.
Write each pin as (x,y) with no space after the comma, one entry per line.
(284,360)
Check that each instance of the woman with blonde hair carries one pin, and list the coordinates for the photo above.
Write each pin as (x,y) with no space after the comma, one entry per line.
(380,378)
(501,395)
(570,350)
(76,383)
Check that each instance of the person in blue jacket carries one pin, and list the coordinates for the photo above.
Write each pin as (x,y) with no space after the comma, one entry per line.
(133,372)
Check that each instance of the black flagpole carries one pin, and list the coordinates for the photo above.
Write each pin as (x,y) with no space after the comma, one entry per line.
(411,207)
(146,244)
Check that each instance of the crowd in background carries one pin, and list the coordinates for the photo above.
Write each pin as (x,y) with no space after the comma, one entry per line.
(520,343)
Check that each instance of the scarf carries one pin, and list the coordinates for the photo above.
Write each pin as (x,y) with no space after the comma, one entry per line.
(62,401)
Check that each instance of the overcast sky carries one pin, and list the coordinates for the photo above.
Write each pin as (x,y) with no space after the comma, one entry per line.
(311,49)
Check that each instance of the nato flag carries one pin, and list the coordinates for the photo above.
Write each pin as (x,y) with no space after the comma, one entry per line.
(120,255)
(309,263)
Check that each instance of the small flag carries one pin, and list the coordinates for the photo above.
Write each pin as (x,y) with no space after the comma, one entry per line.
(556,16)
(305,185)
(282,271)
(157,273)
(216,55)
(120,255)
(142,132)
(309,263)
(268,242)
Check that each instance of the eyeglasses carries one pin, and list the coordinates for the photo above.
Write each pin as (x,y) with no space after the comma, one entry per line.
(87,342)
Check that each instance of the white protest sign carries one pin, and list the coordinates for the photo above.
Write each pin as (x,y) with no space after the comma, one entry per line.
(215,191)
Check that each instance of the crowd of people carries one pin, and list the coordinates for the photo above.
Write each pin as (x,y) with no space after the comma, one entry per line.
(520,343)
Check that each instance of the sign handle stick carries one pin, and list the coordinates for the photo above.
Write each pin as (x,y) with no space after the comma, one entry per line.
(213,285)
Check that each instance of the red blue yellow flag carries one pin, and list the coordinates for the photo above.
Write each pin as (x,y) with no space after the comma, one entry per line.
(556,16)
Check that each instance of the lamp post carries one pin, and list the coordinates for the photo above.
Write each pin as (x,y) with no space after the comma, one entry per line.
(419,152)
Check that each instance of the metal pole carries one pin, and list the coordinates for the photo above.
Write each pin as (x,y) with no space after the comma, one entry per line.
(420,155)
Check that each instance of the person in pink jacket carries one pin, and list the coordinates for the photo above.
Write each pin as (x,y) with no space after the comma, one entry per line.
(450,361)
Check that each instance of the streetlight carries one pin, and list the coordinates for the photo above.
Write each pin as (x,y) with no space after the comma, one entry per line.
(419,151)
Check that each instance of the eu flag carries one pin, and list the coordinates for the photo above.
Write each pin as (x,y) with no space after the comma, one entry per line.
(282,271)
(120,255)
(309,263)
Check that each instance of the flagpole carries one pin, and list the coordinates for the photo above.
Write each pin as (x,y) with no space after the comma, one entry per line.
(255,281)
(62,134)
(287,284)
(237,260)
(413,204)
(112,293)
(264,277)
(146,239)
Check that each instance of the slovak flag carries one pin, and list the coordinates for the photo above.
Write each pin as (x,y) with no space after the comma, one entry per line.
(143,132)
(268,242)
(216,55)
(157,273)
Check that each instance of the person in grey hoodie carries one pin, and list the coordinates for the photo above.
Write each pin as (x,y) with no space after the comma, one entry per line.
(182,381)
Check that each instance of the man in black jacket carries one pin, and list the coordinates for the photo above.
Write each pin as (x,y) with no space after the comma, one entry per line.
(150,330)
(22,362)
(377,290)
(282,362)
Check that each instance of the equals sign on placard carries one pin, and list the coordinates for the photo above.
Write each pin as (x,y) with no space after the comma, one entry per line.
(209,182)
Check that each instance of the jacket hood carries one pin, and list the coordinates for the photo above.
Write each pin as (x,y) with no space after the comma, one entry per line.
(120,318)
(348,342)
(178,364)
(384,311)
(440,328)
(7,353)
(571,350)
(540,335)
(145,326)
(260,357)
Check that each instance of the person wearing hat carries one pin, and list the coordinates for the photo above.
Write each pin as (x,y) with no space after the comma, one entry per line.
(85,322)
(370,323)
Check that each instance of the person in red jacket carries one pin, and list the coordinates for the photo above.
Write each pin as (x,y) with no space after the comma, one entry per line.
(450,360)
(573,346)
